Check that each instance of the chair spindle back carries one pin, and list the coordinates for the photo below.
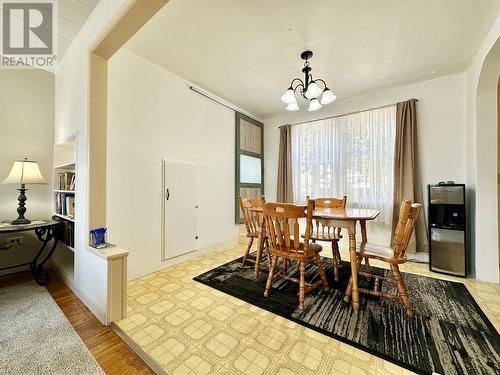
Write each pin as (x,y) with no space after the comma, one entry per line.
(282,222)
(408,215)
(252,219)
(322,225)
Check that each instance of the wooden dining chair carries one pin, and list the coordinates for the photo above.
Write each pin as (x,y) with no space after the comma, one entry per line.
(394,255)
(325,230)
(282,222)
(253,222)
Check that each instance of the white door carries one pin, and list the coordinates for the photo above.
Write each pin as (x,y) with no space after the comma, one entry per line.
(180,196)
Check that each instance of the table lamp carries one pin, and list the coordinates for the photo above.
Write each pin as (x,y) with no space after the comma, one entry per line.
(23,172)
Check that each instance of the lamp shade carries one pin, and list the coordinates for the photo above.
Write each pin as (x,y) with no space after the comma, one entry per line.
(292,107)
(313,91)
(24,172)
(327,96)
(314,105)
(289,96)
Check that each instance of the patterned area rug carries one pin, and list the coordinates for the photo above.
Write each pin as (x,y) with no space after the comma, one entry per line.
(448,334)
(36,337)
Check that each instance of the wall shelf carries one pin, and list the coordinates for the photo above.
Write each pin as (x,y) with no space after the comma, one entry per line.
(62,203)
(70,165)
(72,219)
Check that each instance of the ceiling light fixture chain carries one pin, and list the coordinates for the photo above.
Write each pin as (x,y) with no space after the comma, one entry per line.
(309,89)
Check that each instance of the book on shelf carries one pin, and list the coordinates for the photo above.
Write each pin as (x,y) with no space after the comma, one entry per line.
(65,204)
(66,181)
(67,234)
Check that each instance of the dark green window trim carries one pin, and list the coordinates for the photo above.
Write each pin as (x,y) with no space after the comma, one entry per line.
(238,152)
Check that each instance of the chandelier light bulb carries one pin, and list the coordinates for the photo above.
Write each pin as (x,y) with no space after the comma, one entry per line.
(327,96)
(314,105)
(292,107)
(313,91)
(289,96)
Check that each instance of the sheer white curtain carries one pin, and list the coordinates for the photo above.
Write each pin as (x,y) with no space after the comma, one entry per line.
(349,155)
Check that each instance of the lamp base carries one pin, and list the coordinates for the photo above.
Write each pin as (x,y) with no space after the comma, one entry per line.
(19,221)
(21,209)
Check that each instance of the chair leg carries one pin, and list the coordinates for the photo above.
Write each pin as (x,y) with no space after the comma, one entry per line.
(269,283)
(285,266)
(368,268)
(322,273)
(403,293)
(302,284)
(247,251)
(336,256)
(348,291)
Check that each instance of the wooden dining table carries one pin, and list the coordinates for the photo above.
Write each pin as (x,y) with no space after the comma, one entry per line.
(341,218)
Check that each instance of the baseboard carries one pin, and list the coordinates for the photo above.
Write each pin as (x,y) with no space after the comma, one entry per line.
(141,353)
(143,270)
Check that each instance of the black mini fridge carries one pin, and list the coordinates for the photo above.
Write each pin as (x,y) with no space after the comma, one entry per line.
(447,229)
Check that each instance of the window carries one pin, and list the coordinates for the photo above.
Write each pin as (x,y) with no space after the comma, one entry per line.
(249,160)
(349,155)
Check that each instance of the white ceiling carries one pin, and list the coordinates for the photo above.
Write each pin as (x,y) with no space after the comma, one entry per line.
(247,51)
(72,16)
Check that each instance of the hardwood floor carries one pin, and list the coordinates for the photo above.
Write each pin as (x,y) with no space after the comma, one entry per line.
(109,350)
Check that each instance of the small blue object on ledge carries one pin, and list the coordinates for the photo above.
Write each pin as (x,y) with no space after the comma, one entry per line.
(98,238)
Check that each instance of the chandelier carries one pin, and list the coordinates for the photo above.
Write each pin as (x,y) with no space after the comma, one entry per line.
(309,89)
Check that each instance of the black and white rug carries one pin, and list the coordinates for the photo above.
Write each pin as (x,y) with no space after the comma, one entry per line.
(448,334)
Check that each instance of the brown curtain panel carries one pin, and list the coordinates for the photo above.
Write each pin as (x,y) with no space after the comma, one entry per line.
(407,182)
(285,188)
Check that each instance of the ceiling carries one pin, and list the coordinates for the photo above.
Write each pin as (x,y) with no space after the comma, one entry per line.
(247,51)
(72,16)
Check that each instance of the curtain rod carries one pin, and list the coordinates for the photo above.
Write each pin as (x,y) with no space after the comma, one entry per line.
(206,95)
(344,114)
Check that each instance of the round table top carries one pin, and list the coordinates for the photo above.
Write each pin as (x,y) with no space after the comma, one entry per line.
(339,213)
(6,227)
(345,213)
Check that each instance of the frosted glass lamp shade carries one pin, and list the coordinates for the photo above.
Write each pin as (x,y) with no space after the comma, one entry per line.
(292,107)
(327,96)
(314,105)
(313,91)
(289,96)
(24,172)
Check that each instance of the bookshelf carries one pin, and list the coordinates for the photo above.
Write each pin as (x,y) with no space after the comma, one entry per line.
(64,195)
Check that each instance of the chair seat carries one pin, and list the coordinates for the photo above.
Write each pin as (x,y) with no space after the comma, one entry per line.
(313,248)
(320,236)
(373,251)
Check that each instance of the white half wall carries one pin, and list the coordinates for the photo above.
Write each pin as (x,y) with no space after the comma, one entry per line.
(26,130)
(441,113)
(481,162)
(152,114)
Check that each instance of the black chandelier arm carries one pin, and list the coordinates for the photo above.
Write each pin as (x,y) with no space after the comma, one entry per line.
(296,79)
(323,82)
(299,85)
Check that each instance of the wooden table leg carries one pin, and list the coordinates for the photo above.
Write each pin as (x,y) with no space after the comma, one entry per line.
(354,265)
(260,249)
(362,223)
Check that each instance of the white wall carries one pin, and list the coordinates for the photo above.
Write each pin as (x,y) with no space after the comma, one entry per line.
(72,117)
(482,152)
(156,117)
(441,113)
(26,130)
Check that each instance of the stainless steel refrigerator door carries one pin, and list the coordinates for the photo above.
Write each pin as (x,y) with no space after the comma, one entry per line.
(447,195)
(448,251)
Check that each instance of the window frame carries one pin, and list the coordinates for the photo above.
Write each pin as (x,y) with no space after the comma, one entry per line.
(238,152)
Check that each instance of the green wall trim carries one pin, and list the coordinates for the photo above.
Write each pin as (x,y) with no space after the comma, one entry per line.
(238,151)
